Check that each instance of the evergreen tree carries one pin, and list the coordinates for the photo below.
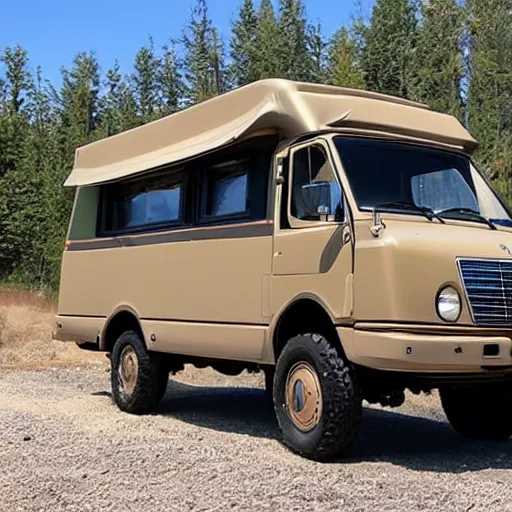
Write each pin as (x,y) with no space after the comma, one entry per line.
(203,56)
(439,63)
(342,62)
(110,104)
(79,101)
(296,62)
(217,66)
(389,51)
(268,44)
(14,122)
(128,108)
(145,81)
(169,80)
(317,49)
(489,110)
(490,90)
(242,45)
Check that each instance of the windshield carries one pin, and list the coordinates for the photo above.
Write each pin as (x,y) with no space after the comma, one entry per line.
(407,178)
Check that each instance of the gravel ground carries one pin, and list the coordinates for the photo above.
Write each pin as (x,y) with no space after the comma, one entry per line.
(212,446)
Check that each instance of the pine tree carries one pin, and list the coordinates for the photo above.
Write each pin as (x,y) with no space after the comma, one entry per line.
(242,45)
(489,109)
(110,116)
(317,50)
(14,145)
(217,66)
(439,63)
(80,101)
(296,61)
(389,51)
(170,84)
(145,81)
(268,45)
(203,56)
(342,62)
(490,90)
(14,123)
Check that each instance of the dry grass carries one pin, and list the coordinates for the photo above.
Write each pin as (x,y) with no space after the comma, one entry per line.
(26,321)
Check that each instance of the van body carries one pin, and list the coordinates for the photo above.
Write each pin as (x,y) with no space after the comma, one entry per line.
(341,241)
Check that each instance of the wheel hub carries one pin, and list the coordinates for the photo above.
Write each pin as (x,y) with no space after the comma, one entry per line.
(128,369)
(303,396)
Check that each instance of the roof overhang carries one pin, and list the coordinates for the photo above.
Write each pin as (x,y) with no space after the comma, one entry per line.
(290,108)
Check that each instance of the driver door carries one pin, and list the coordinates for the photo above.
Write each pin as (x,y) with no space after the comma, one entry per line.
(312,243)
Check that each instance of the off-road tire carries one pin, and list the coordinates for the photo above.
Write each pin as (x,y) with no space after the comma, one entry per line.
(480,411)
(269,372)
(340,419)
(152,376)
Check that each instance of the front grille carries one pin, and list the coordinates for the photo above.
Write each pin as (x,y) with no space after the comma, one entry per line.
(488,285)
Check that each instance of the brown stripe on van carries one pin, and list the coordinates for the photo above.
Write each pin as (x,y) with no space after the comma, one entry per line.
(231,231)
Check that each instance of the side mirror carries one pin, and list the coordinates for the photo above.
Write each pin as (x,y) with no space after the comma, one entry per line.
(319,201)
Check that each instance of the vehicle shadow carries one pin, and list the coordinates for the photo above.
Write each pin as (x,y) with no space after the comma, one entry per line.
(417,443)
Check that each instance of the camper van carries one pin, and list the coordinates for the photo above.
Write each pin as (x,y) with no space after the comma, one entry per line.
(342,242)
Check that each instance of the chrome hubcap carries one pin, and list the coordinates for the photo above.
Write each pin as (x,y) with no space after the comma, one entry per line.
(303,396)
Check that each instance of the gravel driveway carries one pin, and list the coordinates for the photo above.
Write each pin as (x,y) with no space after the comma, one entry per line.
(65,446)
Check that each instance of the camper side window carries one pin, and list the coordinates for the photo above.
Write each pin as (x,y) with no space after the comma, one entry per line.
(226,188)
(152,202)
(315,192)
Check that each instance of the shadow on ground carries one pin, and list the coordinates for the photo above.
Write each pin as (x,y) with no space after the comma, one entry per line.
(417,443)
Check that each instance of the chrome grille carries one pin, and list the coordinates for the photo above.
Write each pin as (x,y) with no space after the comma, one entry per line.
(488,285)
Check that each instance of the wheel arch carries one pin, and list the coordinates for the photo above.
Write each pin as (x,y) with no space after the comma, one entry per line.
(304,313)
(122,319)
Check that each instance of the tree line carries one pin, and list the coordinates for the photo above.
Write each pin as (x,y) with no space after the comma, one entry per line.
(456,57)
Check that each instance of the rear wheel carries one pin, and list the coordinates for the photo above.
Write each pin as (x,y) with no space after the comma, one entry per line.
(316,397)
(480,411)
(138,377)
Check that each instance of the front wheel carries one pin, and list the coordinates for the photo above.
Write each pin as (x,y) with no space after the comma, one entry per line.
(479,411)
(316,398)
(138,377)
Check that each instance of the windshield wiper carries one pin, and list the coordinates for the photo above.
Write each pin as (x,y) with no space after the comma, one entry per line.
(406,205)
(468,211)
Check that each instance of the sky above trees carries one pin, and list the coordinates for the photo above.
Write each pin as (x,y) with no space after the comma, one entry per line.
(54,31)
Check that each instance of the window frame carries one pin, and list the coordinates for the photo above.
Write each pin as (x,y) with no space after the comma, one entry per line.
(205,177)
(101,225)
(294,222)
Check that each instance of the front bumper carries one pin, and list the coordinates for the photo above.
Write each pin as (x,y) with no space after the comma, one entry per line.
(399,350)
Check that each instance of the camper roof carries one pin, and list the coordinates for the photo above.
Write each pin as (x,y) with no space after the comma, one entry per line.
(286,107)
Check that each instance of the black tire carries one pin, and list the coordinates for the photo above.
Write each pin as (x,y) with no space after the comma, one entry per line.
(338,423)
(480,411)
(150,381)
(269,380)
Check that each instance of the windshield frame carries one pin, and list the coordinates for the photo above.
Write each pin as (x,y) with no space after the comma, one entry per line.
(366,211)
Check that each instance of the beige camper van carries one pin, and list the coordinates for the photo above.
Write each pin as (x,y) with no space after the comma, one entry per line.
(341,241)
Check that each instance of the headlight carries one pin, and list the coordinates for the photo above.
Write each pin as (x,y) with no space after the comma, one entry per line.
(448,304)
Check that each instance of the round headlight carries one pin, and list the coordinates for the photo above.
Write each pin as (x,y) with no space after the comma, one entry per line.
(448,304)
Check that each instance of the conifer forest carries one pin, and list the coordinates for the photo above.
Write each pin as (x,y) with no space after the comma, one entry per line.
(454,55)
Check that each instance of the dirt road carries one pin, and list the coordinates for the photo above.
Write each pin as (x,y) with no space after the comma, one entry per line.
(65,446)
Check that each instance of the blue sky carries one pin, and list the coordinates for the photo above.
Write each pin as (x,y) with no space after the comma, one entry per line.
(53,31)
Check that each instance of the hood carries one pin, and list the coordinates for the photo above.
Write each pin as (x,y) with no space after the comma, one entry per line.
(398,275)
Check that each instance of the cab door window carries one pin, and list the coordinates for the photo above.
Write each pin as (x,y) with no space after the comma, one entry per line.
(315,192)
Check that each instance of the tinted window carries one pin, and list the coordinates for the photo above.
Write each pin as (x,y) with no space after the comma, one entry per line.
(226,189)
(151,202)
(316,195)
(383,172)
(457,193)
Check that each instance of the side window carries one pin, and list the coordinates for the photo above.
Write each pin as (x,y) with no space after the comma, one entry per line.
(154,201)
(315,192)
(226,190)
